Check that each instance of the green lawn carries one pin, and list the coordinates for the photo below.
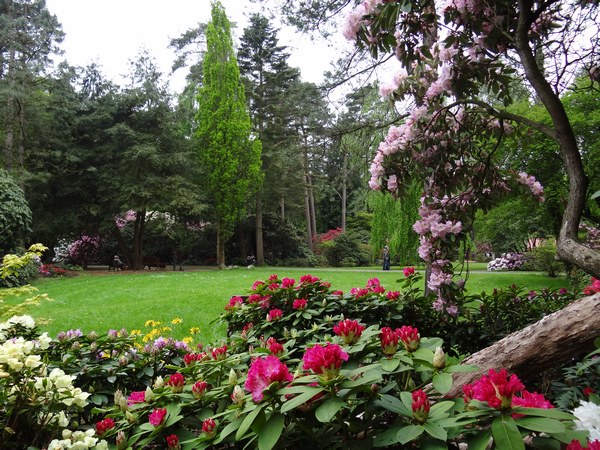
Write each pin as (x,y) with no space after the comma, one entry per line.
(101,302)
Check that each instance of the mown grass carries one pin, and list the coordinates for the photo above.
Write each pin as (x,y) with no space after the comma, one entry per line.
(95,302)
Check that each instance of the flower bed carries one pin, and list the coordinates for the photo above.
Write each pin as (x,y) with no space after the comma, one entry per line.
(304,366)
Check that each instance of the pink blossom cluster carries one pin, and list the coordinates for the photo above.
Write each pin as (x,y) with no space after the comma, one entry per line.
(324,360)
(263,372)
(529,180)
(349,330)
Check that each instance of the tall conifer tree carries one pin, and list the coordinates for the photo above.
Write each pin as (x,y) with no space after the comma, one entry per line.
(227,150)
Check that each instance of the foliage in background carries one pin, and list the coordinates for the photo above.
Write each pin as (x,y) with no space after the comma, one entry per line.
(15,215)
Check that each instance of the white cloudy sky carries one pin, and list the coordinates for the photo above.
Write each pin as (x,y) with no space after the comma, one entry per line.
(111,32)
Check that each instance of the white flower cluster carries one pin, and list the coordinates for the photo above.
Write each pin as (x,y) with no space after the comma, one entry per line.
(588,418)
(59,386)
(17,354)
(508,261)
(78,440)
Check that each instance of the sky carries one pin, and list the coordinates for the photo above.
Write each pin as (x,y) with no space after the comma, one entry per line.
(111,32)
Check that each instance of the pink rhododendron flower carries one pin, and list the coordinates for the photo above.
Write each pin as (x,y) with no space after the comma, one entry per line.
(496,388)
(191,358)
(253,298)
(389,341)
(338,293)
(410,337)
(157,416)
(199,388)
(136,397)
(104,425)
(257,284)
(408,271)
(530,400)
(274,314)
(349,330)
(593,287)
(324,360)
(263,372)
(299,303)
(273,278)
(234,302)
(308,279)
(176,382)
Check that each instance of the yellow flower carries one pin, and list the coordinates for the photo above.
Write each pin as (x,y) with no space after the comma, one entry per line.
(166,329)
(176,321)
(188,339)
(152,323)
(136,332)
(194,330)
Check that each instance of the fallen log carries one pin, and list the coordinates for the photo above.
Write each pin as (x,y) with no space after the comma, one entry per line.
(558,338)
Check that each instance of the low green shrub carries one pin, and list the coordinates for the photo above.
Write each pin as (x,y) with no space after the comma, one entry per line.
(543,259)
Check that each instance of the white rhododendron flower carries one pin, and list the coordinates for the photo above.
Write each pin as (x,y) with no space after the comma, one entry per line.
(588,418)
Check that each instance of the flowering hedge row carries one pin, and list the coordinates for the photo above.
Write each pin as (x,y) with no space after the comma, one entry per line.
(316,368)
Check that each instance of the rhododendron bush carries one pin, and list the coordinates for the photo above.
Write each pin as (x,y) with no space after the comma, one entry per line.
(334,370)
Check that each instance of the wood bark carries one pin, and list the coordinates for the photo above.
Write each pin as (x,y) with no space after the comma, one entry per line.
(260,245)
(558,338)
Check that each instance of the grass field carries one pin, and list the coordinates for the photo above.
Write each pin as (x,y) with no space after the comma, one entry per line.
(99,302)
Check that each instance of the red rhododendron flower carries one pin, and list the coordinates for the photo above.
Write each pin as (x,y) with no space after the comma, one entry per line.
(234,302)
(497,388)
(191,358)
(173,442)
(408,271)
(257,284)
(157,416)
(219,353)
(420,405)
(389,341)
(373,282)
(324,360)
(263,372)
(136,397)
(349,330)
(299,304)
(530,400)
(104,425)
(309,279)
(338,293)
(209,426)
(575,445)
(274,347)
(176,382)
(253,298)
(393,295)
(592,288)
(199,388)
(274,314)
(359,292)
(588,391)
(410,337)
(288,282)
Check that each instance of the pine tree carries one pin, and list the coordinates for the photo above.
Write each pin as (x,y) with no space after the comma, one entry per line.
(228,151)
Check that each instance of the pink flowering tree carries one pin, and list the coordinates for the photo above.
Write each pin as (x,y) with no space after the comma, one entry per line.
(459,62)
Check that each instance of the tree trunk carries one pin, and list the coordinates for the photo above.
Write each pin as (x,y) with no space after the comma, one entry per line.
(282,206)
(309,234)
(138,234)
(344,189)
(313,215)
(260,247)
(122,245)
(220,247)
(568,246)
(556,339)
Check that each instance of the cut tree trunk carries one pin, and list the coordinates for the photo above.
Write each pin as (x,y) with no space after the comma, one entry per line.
(558,338)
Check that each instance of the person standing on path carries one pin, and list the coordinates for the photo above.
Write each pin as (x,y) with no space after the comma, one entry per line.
(386,258)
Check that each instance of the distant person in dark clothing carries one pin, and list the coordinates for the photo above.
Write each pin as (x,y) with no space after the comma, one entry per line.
(386,258)
(118,264)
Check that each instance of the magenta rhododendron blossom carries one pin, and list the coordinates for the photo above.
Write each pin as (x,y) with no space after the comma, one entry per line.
(274,347)
(530,400)
(495,388)
(410,337)
(324,360)
(576,445)
(173,442)
(308,279)
(299,303)
(263,372)
(104,425)
(234,302)
(157,416)
(420,405)
(274,314)
(136,397)
(176,382)
(199,388)
(219,353)
(393,295)
(389,341)
(209,426)
(349,330)
(288,282)
(408,271)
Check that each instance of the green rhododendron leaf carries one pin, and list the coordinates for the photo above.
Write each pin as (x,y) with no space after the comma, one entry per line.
(271,432)
(389,365)
(388,437)
(436,431)
(541,424)
(442,382)
(541,412)
(506,434)
(309,392)
(248,421)
(394,405)
(423,354)
(480,441)
(410,433)
(328,409)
